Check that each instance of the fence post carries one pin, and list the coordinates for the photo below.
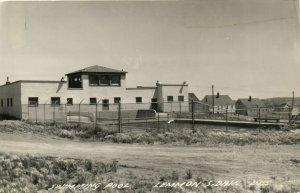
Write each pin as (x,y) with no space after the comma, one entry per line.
(259,116)
(79,113)
(45,113)
(157,120)
(226,119)
(28,112)
(119,116)
(96,115)
(35,113)
(193,115)
(66,113)
(54,112)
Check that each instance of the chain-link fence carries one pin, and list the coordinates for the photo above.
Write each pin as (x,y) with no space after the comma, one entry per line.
(147,115)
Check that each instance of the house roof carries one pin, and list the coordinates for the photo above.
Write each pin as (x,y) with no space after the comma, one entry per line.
(222,100)
(255,102)
(192,96)
(97,69)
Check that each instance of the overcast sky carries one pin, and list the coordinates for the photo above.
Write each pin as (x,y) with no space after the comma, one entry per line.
(243,47)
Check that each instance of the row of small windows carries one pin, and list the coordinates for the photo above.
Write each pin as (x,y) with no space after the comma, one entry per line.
(171,98)
(9,102)
(34,101)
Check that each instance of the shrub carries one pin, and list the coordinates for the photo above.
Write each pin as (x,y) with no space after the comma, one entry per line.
(36,174)
(189,174)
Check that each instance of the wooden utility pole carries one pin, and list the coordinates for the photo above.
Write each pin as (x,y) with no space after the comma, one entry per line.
(213,99)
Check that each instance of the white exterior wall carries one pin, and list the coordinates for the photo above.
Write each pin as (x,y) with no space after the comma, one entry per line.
(20,92)
(47,90)
(146,94)
(9,91)
(173,90)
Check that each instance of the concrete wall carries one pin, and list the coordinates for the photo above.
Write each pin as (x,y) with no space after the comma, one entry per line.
(20,92)
(173,90)
(46,90)
(11,91)
(147,95)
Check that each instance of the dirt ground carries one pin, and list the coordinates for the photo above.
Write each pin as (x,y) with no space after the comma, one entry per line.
(229,162)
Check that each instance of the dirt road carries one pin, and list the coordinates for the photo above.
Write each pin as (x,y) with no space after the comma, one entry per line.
(230,162)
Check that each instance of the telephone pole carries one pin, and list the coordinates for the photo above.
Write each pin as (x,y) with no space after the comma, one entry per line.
(213,99)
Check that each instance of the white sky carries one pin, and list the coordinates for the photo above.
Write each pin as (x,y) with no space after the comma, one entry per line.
(242,47)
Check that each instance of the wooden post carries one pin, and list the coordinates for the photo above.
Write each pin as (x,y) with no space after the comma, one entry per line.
(119,117)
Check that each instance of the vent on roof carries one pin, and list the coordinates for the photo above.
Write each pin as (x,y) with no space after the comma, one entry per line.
(250,98)
(218,95)
(7,80)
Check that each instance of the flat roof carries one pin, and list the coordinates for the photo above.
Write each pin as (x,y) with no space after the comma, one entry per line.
(141,87)
(173,84)
(34,81)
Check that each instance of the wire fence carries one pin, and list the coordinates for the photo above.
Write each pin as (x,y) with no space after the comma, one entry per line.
(131,115)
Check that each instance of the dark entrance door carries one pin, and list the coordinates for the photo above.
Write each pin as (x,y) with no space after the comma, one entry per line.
(105,104)
(154,104)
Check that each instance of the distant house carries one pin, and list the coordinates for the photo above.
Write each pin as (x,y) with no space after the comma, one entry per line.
(220,103)
(251,107)
(284,107)
(198,106)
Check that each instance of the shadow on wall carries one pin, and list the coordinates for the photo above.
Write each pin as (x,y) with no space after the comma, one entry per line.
(59,86)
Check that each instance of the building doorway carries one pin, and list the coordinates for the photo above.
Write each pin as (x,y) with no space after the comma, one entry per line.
(105,104)
(154,104)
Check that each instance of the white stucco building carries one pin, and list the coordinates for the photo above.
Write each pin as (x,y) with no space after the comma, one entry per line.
(91,85)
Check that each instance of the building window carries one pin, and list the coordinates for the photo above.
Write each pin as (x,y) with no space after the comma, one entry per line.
(55,100)
(105,80)
(105,104)
(1,102)
(69,101)
(93,101)
(170,98)
(117,100)
(7,102)
(11,102)
(138,99)
(180,98)
(75,81)
(115,80)
(94,80)
(33,101)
